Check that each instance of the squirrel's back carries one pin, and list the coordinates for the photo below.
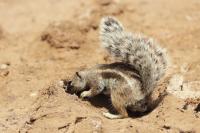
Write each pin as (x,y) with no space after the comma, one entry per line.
(141,52)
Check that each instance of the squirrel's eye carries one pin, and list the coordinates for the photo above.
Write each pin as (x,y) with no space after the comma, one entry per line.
(69,83)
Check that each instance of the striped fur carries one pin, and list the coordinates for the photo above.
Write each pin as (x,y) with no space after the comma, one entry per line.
(143,53)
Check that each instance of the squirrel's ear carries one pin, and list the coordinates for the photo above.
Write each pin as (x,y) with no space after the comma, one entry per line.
(77,74)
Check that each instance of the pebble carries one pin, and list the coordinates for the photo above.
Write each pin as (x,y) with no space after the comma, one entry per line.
(175,83)
(183,90)
(61,83)
(33,94)
(3,66)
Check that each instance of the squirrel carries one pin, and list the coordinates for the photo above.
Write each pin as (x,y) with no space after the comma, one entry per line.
(140,64)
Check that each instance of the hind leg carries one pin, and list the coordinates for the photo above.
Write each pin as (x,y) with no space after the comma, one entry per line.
(118,102)
(121,109)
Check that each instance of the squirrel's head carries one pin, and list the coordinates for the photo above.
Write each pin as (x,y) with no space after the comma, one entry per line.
(78,83)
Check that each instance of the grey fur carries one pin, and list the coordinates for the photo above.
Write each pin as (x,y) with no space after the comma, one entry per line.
(141,52)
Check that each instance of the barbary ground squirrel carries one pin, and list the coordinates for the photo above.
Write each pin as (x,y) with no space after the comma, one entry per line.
(140,63)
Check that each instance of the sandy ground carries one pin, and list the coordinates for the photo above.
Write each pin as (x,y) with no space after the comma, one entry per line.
(45,41)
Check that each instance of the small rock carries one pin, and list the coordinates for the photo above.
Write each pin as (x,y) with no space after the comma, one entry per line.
(33,94)
(175,83)
(3,66)
(183,90)
(61,83)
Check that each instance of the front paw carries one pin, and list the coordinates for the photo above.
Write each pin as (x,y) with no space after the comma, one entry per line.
(85,94)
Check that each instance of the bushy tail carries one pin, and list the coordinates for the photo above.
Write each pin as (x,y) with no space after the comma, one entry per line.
(141,52)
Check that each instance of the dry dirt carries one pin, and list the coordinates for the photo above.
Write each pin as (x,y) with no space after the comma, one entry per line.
(44,41)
